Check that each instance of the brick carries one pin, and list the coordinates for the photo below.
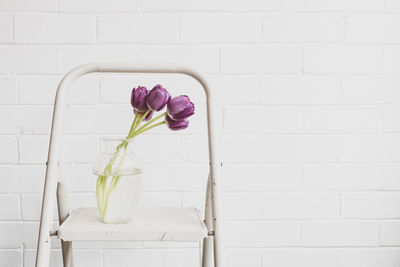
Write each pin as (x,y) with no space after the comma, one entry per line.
(261,177)
(392,5)
(124,258)
(176,177)
(342,59)
(220,28)
(371,89)
(390,118)
(299,205)
(260,59)
(9,149)
(371,205)
(369,148)
(201,58)
(69,57)
(10,257)
(54,28)
(390,177)
(332,119)
(82,257)
(303,28)
(32,204)
(262,119)
(235,89)
(342,176)
(83,91)
(194,149)
(6,28)
(279,148)
(22,179)
(238,257)
(296,89)
(301,257)
(369,257)
(101,119)
(79,177)
(345,5)
(340,233)
(389,235)
(38,121)
(79,149)
(260,5)
(14,232)
(167,147)
(373,28)
(160,199)
(9,90)
(257,234)
(26,5)
(24,59)
(136,28)
(245,206)
(94,6)
(195,199)
(33,149)
(173,5)
(391,57)
(9,205)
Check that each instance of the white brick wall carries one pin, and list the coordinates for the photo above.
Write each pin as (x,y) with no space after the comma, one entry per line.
(309,118)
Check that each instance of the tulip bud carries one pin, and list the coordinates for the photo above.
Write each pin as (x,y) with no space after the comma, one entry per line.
(138,98)
(180,108)
(176,125)
(148,116)
(157,98)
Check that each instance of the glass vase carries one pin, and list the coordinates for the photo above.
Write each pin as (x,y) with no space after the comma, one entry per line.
(119,181)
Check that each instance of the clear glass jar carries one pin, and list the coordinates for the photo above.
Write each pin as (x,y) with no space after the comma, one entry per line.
(119,181)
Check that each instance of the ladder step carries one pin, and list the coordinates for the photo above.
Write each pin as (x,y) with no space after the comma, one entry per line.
(150,224)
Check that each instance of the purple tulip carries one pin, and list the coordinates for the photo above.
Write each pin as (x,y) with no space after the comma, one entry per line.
(176,125)
(157,98)
(138,98)
(148,116)
(180,108)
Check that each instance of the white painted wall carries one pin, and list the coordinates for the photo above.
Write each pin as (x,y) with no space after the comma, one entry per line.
(308,96)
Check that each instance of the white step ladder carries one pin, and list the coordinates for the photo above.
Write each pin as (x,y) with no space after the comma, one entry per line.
(151,224)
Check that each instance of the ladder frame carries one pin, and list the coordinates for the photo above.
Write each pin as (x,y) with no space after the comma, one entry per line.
(55,192)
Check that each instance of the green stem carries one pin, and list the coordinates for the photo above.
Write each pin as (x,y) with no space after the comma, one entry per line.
(141,119)
(148,128)
(133,124)
(148,123)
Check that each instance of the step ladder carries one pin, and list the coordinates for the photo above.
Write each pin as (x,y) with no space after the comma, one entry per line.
(151,224)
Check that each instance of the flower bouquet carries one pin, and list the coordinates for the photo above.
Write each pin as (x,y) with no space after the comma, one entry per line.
(119,171)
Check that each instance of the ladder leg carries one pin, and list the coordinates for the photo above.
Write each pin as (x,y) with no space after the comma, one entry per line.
(207,260)
(43,254)
(44,240)
(63,213)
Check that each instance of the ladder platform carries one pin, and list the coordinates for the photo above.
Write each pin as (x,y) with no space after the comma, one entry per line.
(149,224)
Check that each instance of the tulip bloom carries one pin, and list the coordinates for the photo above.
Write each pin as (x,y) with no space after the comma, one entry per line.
(180,108)
(176,125)
(138,99)
(157,98)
